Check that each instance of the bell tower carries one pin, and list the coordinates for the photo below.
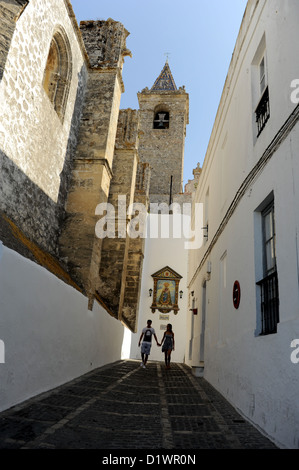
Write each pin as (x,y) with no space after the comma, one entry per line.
(163,115)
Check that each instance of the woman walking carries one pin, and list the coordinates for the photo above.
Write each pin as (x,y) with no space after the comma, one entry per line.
(168,344)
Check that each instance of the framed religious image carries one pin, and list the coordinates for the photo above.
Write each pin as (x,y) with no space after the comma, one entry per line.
(166,291)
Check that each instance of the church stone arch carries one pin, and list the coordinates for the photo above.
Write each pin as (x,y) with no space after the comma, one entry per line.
(58,71)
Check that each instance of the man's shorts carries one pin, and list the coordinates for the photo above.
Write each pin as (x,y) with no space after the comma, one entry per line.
(146,347)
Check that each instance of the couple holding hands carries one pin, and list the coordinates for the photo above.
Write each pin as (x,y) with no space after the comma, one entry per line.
(146,338)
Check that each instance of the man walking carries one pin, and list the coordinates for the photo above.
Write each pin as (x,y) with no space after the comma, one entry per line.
(146,344)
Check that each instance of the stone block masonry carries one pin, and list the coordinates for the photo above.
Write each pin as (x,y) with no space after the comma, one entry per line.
(35,146)
(105,43)
(121,257)
(10,11)
(54,172)
(163,149)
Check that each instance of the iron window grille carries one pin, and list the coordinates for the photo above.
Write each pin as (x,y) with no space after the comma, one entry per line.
(269,284)
(262,111)
(269,303)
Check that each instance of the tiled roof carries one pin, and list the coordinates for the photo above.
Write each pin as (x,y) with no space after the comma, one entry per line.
(165,81)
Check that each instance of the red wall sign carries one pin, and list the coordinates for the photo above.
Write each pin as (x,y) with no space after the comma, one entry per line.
(236,294)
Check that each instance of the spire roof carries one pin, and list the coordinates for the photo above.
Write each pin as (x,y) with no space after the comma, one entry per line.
(165,81)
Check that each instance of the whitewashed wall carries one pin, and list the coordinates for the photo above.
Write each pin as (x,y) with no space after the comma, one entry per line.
(50,336)
(161,252)
(255,373)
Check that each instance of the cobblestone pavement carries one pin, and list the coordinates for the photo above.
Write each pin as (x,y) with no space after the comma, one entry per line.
(123,406)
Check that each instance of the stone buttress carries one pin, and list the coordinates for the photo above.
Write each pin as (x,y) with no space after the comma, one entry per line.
(121,256)
(105,43)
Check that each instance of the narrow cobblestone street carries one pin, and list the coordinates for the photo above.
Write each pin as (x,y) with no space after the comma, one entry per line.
(123,406)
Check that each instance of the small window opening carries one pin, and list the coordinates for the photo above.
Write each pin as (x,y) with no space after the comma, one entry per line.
(161,120)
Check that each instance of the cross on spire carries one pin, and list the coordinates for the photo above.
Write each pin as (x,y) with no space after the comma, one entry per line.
(167,54)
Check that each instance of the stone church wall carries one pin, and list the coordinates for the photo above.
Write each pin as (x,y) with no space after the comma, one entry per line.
(163,149)
(92,163)
(36,147)
(10,11)
(55,166)
(132,275)
(122,256)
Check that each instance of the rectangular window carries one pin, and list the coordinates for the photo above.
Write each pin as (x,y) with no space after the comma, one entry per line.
(260,89)
(268,220)
(262,75)
(268,286)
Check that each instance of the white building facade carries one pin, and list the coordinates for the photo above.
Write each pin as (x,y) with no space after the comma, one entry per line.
(244,280)
(163,251)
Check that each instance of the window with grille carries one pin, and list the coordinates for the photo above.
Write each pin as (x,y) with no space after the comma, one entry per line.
(260,89)
(262,111)
(268,286)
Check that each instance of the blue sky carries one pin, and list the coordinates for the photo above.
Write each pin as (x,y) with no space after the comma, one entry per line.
(199,36)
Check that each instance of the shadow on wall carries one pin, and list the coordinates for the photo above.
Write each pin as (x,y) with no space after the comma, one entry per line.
(30,221)
(10,12)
